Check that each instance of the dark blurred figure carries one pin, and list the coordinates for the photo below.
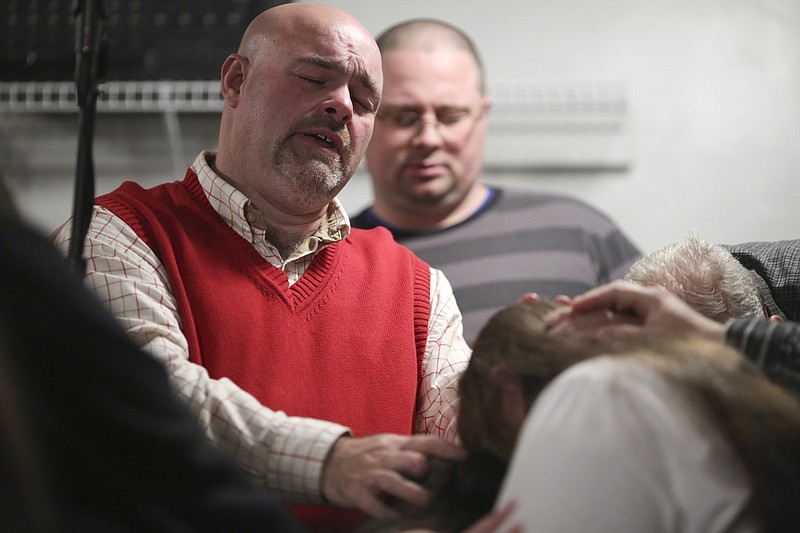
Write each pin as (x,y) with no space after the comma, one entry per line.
(91,438)
(776,269)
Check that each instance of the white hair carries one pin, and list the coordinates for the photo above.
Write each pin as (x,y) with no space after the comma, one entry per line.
(707,276)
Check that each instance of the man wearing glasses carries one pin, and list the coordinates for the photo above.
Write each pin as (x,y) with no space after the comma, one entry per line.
(426,158)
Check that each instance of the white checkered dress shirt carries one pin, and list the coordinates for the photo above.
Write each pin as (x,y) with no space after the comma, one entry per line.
(285,453)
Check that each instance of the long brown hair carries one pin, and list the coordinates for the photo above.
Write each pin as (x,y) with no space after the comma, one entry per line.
(757,419)
(513,337)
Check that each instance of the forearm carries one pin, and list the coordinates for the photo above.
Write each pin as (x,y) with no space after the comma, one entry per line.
(284,453)
(446,357)
(773,346)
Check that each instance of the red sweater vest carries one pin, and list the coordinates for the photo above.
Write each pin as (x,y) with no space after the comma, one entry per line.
(344,343)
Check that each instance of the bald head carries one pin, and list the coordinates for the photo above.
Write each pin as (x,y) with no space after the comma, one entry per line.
(300,101)
(428,36)
(298,19)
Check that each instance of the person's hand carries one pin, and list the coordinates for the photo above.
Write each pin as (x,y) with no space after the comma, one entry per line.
(534,297)
(361,472)
(528,297)
(494,520)
(622,309)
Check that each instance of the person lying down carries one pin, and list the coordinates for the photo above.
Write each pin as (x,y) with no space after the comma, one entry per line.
(664,434)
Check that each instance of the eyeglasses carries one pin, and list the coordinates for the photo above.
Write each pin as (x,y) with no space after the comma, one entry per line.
(451,122)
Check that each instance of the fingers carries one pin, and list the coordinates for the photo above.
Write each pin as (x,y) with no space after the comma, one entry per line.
(408,462)
(562,299)
(492,522)
(598,325)
(612,303)
(614,294)
(620,331)
(528,297)
(433,446)
(622,296)
(372,496)
(370,503)
(557,316)
(361,472)
(653,308)
(619,296)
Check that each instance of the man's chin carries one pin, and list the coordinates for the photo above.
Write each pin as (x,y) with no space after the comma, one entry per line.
(430,192)
(428,198)
(329,177)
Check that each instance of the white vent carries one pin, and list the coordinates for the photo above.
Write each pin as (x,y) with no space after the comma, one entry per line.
(558,125)
(532,125)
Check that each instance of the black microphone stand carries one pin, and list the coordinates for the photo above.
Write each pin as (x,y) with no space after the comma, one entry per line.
(89,62)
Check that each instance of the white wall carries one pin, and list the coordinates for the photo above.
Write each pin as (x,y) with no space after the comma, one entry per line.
(714,94)
(713,88)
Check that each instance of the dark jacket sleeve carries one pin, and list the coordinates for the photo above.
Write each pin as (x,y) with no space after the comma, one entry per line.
(117,451)
(773,346)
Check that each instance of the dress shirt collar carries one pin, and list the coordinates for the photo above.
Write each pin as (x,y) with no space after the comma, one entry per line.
(246,219)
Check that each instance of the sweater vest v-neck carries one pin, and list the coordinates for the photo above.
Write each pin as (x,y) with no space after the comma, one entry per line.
(344,343)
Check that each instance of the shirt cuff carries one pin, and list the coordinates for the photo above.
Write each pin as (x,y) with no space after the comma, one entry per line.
(298,453)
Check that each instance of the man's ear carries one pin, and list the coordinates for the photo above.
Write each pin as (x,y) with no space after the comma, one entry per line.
(775,318)
(486,103)
(234,72)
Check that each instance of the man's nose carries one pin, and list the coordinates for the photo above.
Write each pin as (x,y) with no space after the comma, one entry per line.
(340,104)
(428,132)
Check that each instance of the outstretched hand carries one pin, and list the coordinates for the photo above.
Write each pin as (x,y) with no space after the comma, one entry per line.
(361,472)
(623,309)
(494,521)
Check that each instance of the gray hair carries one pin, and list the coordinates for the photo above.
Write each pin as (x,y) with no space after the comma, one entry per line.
(706,276)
